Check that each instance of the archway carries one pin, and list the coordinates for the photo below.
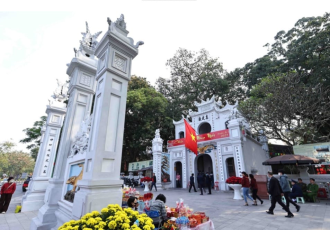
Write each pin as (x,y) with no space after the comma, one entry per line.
(178,170)
(204,163)
(181,134)
(204,128)
(230,166)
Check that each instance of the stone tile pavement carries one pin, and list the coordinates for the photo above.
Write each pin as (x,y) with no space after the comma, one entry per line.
(226,213)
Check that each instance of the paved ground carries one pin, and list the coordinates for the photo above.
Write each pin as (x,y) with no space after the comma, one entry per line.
(225,212)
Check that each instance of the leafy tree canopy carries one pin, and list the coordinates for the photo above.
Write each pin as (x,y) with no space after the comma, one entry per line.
(195,76)
(145,112)
(33,136)
(289,110)
(13,162)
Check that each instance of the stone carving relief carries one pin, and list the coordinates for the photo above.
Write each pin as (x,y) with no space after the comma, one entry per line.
(61,92)
(80,143)
(119,63)
(89,42)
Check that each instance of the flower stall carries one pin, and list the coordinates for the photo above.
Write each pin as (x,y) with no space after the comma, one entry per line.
(236,184)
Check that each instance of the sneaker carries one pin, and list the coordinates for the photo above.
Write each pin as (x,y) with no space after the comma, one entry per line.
(271,213)
(290,215)
(262,202)
(298,208)
(3,212)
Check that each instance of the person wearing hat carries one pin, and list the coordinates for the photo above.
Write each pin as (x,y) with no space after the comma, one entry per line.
(284,182)
(312,189)
(7,190)
(296,190)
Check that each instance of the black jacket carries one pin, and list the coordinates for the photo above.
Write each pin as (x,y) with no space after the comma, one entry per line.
(207,180)
(154,179)
(192,180)
(274,188)
(200,180)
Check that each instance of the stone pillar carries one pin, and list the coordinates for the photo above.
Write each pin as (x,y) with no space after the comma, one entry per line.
(81,71)
(157,146)
(34,197)
(236,140)
(101,184)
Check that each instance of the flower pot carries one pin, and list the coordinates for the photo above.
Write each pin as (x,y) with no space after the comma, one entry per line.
(237,191)
(146,186)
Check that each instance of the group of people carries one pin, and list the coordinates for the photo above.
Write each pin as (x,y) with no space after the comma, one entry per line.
(6,192)
(247,185)
(157,205)
(203,180)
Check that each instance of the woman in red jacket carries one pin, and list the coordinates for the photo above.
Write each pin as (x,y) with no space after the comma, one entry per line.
(254,188)
(246,188)
(6,192)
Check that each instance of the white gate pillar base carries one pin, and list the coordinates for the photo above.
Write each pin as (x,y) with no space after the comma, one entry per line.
(34,198)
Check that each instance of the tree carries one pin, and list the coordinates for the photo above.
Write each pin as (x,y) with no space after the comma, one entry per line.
(145,112)
(287,109)
(33,136)
(195,76)
(13,162)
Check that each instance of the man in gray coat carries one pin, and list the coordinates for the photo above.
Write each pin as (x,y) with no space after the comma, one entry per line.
(284,182)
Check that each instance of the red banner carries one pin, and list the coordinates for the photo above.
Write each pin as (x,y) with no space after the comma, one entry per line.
(202,137)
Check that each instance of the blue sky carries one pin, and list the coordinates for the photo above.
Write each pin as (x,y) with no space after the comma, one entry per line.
(37,40)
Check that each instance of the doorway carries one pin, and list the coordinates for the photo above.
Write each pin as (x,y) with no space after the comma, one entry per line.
(231,167)
(204,163)
(178,170)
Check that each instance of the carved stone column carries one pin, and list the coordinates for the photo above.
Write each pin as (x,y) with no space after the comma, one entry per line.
(34,197)
(101,184)
(81,71)
(157,145)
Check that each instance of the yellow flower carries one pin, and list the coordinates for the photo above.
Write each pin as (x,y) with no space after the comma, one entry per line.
(125,226)
(95,213)
(76,227)
(87,229)
(91,221)
(104,210)
(112,225)
(98,218)
(147,227)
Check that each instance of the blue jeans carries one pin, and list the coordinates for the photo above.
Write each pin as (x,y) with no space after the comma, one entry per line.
(246,194)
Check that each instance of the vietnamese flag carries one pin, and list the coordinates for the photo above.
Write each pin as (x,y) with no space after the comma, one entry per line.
(190,141)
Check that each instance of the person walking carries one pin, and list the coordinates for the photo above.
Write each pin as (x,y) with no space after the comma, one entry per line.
(246,188)
(275,190)
(254,188)
(200,181)
(192,182)
(284,182)
(153,182)
(7,190)
(208,182)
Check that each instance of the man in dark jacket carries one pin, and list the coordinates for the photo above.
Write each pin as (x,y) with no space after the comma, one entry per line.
(208,182)
(286,189)
(276,192)
(192,182)
(200,181)
(153,183)
(296,190)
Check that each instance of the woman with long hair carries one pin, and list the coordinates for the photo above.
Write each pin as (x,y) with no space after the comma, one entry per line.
(246,188)
(7,190)
(254,188)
